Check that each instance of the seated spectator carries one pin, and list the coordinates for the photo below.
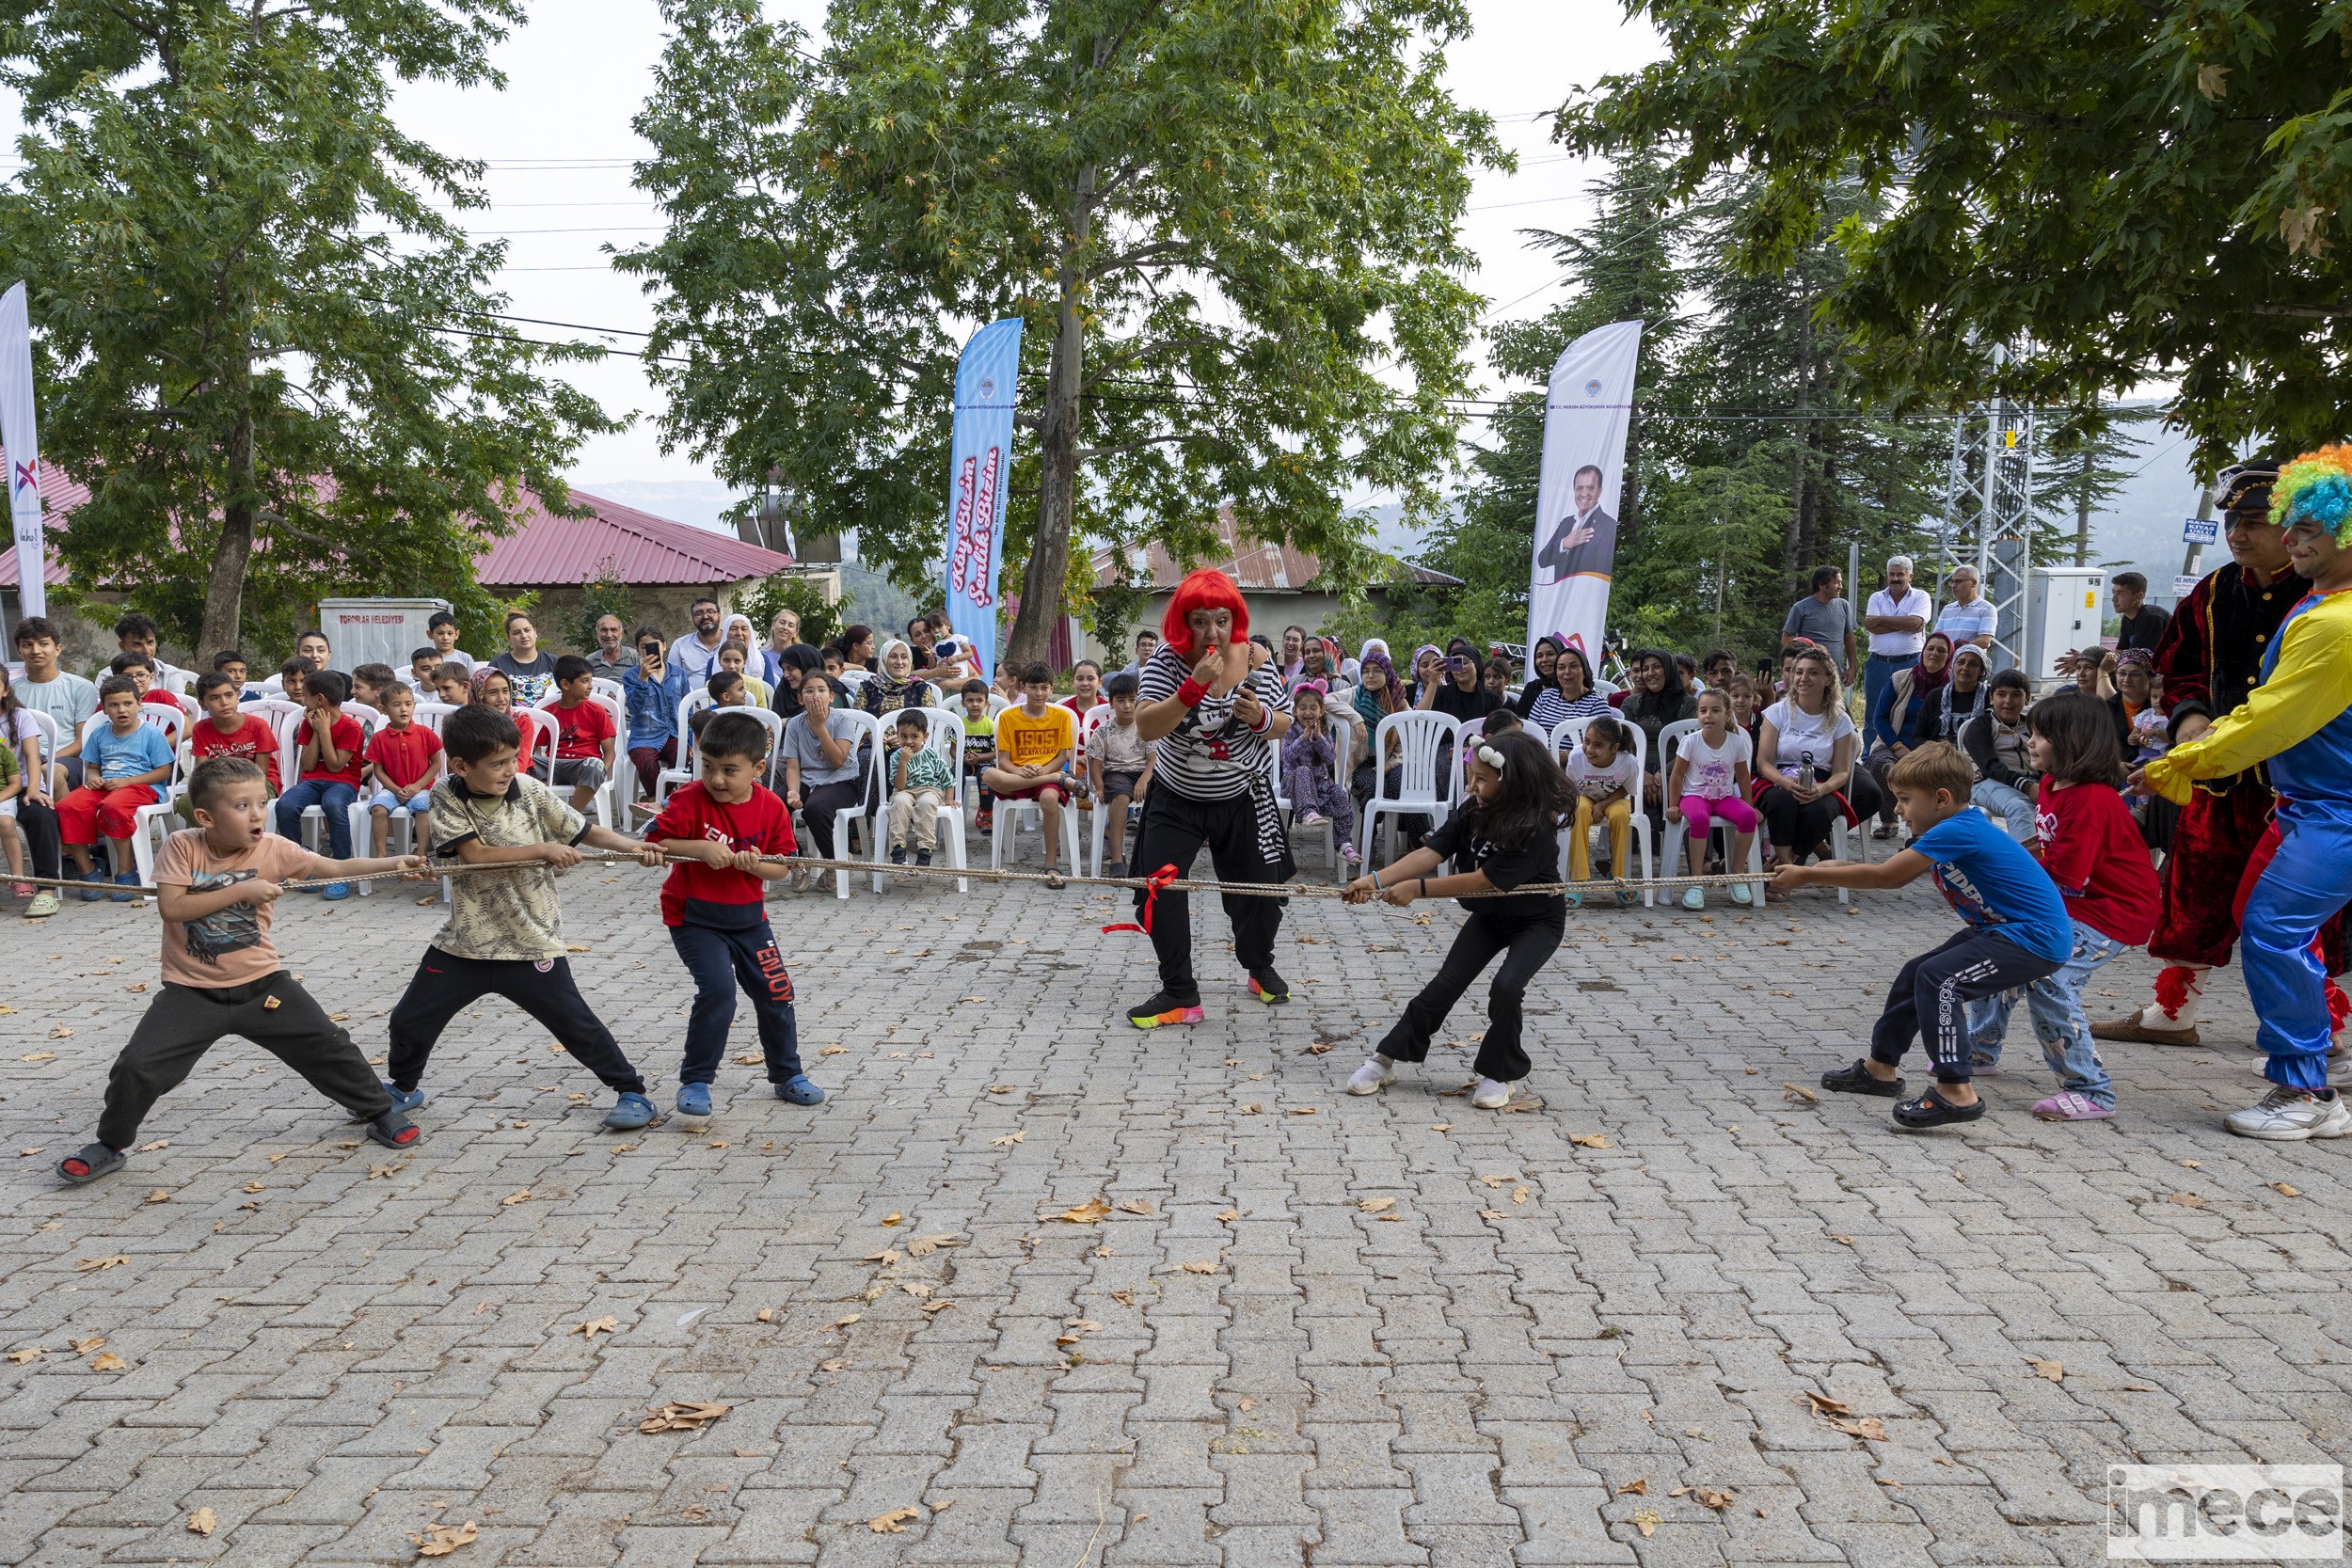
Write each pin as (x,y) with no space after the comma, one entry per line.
(1570,695)
(368,682)
(442,629)
(44,688)
(1659,698)
(1805,773)
(896,688)
(452,684)
(1317,664)
(1905,719)
(1744,712)
(1997,742)
(1119,767)
(1963,697)
(136,633)
(1601,772)
(1496,678)
(585,735)
(728,688)
(822,776)
(494,690)
(125,762)
(919,783)
(1310,770)
(327,768)
(1086,689)
(857,652)
(650,694)
(226,731)
(736,658)
(1709,780)
(1035,744)
(528,666)
(230,662)
(166,713)
(293,682)
(312,648)
(611,659)
(2135,695)
(979,744)
(1717,670)
(1541,660)
(403,765)
(1378,695)
(422,664)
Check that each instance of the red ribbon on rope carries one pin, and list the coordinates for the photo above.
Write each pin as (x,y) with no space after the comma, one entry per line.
(1151,885)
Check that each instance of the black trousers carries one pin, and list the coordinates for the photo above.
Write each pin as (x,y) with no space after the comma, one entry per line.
(819,804)
(1803,825)
(1526,943)
(1929,997)
(720,960)
(1174,829)
(275,1013)
(445,984)
(44,851)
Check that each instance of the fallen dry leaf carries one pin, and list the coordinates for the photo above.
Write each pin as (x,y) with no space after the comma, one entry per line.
(1707,1497)
(253,1186)
(30,1352)
(1199,1265)
(159,1195)
(1634,1488)
(747,1060)
(1091,1212)
(2053,1370)
(1492,1214)
(87,1264)
(575,947)
(203,1522)
(886,1256)
(1252,1109)
(61,1031)
(832,1050)
(1302,1110)
(895,1522)
(83,1347)
(108,1362)
(1799,1094)
(512,1198)
(1518,1194)
(1647,1522)
(1591,1140)
(1823,1405)
(2193,1165)
(923,1246)
(937,1306)
(1000,1088)
(159,1143)
(1861,1426)
(40,1056)
(442,1540)
(1841,1240)
(594,1326)
(893,1218)
(682,1416)
(2188,1200)
(1009,1139)
(1441,1127)
(1230,1216)
(1137,1205)
(2286,1189)
(844,1322)
(915,1287)
(766,1314)
(1375,1205)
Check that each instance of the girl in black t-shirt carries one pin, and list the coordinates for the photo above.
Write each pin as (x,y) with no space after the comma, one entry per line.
(1507,835)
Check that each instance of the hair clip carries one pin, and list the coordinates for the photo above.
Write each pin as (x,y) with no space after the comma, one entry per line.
(1491,758)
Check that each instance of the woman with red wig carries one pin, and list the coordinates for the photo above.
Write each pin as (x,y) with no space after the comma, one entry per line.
(1212,704)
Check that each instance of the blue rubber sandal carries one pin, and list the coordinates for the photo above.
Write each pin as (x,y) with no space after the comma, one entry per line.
(629,1112)
(801,1090)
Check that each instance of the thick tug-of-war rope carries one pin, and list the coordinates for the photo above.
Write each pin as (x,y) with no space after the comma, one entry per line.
(1165,881)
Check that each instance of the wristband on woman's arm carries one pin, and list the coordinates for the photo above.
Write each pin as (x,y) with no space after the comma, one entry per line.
(1191,692)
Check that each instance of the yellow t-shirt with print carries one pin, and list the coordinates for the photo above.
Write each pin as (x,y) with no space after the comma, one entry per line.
(1025,742)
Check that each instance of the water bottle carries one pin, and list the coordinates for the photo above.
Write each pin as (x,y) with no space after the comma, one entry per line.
(1807,772)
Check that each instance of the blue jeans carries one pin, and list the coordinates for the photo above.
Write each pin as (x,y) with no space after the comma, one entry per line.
(2054,1002)
(1878,673)
(2309,880)
(718,959)
(2010,807)
(331,795)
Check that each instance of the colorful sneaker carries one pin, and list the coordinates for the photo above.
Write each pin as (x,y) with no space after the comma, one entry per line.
(2290,1115)
(922,857)
(1349,854)
(1377,1073)
(1742,893)
(693,1101)
(1164,1009)
(2070,1106)
(898,854)
(1574,901)
(629,1112)
(800,1089)
(403,1101)
(1268,987)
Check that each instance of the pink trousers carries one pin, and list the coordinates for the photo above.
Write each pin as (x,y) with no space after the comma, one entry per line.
(1697,810)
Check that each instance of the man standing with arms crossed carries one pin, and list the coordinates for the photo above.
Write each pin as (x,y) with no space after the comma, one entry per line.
(1896,621)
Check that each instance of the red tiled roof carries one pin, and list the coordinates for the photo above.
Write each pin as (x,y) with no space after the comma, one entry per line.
(545,550)
(1255,567)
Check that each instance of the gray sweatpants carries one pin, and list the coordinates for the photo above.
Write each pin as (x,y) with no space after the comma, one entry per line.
(275,1013)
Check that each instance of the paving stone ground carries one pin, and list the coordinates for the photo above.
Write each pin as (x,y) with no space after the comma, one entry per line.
(1421,1334)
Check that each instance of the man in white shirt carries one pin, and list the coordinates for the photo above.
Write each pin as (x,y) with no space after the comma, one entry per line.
(1896,620)
(697,652)
(1968,616)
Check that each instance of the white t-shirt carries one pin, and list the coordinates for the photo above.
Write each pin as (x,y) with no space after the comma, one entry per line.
(1900,644)
(1806,734)
(1592,782)
(1709,772)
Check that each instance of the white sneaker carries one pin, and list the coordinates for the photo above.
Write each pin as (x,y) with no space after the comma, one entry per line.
(1377,1073)
(2290,1115)
(1490,1096)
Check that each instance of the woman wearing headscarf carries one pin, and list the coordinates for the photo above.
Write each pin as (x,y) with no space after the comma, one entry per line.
(1658,699)
(1905,720)
(1542,663)
(896,688)
(1211,707)
(1963,697)
(1378,694)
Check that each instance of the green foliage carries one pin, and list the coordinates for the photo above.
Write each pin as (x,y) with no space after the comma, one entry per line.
(241,279)
(819,621)
(1115,612)
(2114,192)
(604,595)
(1229,227)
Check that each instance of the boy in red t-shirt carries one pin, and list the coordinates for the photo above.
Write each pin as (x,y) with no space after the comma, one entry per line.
(404,764)
(141,670)
(2092,851)
(715,905)
(330,766)
(226,731)
(584,734)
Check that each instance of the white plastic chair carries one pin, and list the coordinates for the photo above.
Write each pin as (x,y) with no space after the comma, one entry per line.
(1343,747)
(47,725)
(946,738)
(1011,813)
(1569,733)
(290,728)
(161,810)
(688,766)
(1669,741)
(609,803)
(868,815)
(1427,785)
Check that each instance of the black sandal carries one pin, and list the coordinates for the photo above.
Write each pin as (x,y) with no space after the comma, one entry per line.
(394,1131)
(1932,1110)
(95,1159)
(1857,1080)
(1054,877)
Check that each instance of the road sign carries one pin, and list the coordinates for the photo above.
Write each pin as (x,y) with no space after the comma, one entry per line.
(2201,530)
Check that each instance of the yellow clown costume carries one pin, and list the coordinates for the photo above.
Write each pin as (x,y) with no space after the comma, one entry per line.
(2300,722)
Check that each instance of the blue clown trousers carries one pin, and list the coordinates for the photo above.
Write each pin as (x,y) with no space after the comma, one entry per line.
(2303,886)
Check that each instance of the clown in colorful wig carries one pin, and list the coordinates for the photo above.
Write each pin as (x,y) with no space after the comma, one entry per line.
(2298,724)
(1215,706)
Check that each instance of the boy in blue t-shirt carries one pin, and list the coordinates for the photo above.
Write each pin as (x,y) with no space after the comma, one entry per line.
(2016,931)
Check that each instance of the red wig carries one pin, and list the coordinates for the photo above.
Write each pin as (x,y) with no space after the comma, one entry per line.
(1205,588)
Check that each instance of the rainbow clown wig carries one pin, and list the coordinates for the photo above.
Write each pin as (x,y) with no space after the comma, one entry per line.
(2316,488)
(1206,589)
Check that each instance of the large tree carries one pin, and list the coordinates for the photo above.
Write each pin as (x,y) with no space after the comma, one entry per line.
(1229,227)
(2113,193)
(260,342)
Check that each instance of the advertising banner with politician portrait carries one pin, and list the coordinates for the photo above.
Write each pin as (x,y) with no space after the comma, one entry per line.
(1586,412)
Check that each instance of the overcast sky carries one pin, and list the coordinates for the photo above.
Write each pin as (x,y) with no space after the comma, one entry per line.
(560,145)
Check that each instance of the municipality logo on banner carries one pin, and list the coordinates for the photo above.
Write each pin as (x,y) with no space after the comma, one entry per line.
(979,461)
(1587,410)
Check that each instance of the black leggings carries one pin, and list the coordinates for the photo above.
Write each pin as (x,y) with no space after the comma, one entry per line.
(43,850)
(1526,946)
(1803,825)
(445,984)
(1174,830)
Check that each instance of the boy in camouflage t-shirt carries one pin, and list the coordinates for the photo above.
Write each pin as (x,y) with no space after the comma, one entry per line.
(505,930)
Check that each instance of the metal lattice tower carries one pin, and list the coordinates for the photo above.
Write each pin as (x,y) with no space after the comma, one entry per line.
(1989,518)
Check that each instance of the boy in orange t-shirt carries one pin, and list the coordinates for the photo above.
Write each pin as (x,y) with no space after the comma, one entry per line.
(1034,745)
